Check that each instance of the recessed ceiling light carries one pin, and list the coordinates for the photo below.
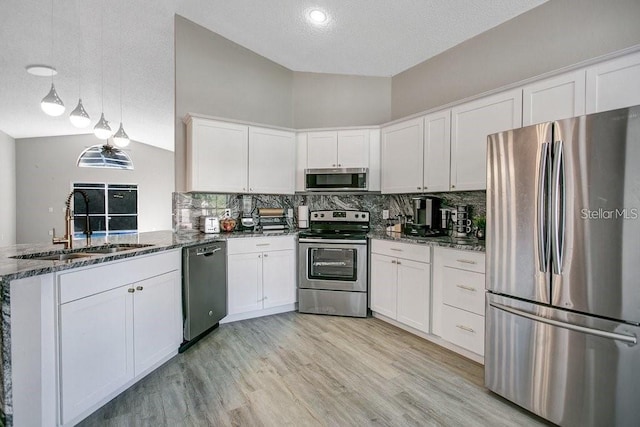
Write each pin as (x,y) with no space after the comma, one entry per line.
(317,16)
(41,70)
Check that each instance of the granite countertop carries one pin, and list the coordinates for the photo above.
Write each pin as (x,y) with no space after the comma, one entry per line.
(467,244)
(11,268)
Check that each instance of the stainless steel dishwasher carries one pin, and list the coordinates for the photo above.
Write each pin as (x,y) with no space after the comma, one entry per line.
(204,289)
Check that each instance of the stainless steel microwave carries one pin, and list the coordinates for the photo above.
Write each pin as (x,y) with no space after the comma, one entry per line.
(348,179)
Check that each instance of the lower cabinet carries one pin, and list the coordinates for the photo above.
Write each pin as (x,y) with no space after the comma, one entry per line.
(458,298)
(401,282)
(119,331)
(261,274)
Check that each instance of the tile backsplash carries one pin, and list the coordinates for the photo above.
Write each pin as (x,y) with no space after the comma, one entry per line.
(188,207)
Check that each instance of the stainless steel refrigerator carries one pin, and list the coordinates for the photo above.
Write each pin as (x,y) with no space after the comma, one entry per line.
(563,268)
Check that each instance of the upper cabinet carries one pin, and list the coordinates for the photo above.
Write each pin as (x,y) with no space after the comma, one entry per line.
(614,84)
(471,123)
(415,154)
(235,158)
(555,98)
(272,159)
(338,149)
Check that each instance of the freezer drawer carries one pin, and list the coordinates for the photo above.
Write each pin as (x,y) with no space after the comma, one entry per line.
(571,369)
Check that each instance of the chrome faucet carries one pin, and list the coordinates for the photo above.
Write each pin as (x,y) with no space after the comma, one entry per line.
(67,239)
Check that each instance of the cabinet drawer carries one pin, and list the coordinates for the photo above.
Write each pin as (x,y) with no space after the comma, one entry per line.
(463,329)
(414,252)
(463,289)
(465,260)
(260,244)
(77,284)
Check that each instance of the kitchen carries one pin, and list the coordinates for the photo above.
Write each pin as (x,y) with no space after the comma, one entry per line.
(403,105)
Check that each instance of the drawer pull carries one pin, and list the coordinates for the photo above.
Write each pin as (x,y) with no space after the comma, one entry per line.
(396,249)
(465,328)
(466,288)
(263,244)
(466,261)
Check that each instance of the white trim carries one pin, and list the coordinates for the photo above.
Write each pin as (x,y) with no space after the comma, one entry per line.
(259,313)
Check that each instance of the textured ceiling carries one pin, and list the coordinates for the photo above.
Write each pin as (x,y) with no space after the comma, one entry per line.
(362,37)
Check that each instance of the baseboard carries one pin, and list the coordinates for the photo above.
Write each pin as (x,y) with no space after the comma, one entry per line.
(259,313)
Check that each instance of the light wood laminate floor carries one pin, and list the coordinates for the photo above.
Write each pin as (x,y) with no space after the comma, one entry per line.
(305,370)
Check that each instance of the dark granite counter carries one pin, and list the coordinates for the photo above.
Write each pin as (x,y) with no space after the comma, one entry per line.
(12,269)
(468,244)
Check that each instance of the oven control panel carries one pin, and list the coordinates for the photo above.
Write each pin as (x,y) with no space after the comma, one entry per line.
(340,216)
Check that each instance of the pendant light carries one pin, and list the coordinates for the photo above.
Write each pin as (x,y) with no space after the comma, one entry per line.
(79,117)
(52,104)
(102,129)
(120,139)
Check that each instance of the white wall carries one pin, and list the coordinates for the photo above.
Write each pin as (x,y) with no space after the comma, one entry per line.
(7,190)
(553,35)
(46,167)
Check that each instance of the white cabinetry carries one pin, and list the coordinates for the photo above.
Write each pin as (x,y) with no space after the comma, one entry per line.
(555,98)
(116,329)
(458,298)
(471,123)
(416,154)
(338,149)
(401,282)
(261,276)
(235,158)
(614,84)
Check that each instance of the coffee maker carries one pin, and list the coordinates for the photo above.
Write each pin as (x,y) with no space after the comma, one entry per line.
(426,218)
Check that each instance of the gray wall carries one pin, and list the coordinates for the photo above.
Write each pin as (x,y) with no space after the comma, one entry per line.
(7,190)
(332,100)
(556,34)
(46,167)
(217,77)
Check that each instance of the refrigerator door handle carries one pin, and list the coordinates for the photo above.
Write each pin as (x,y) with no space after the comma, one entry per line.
(557,208)
(628,339)
(542,226)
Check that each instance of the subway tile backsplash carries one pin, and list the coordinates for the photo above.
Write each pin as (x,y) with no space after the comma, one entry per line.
(188,207)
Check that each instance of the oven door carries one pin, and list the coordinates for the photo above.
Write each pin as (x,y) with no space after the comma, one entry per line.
(333,266)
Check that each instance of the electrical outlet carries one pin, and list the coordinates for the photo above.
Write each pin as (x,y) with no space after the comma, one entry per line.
(227,213)
(50,210)
(290,213)
(385,214)
(50,232)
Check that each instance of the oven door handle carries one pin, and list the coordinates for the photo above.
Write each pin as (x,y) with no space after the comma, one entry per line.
(341,241)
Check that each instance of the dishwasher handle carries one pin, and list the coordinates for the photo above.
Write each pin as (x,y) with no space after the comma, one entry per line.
(207,251)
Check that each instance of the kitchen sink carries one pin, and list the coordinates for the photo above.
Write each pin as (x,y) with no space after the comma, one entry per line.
(114,248)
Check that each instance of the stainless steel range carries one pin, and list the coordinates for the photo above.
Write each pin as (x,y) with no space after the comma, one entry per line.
(332,277)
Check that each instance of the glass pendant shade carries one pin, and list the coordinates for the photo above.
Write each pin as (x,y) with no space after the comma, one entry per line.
(120,138)
(52,104)
(102,129)
(79,117)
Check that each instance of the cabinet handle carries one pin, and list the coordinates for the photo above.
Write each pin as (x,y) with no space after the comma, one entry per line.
(393,261)
(453,186)
(339,165)
(131,290)
(250,189)
(259,256)
(465,328)
(139,288)
(333,165)
(466,288)
(266,255)
(418,188)
(399,263)
(466,261)
(396,249)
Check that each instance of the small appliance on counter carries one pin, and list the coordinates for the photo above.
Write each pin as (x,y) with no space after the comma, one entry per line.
(426,218)
(209,224)
(247,222)
(462,223)
(303,216)
(272,219)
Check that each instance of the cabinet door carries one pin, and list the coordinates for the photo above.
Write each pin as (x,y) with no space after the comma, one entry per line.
(414,284)
(384,285)
(217,154)
(272,161)
(471,124)
(96,349)
(402,157)
(322,150)
(353,149)
(278,278)
(244,282)
(157,319)
(614,84)
(556,98)
(437,151)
